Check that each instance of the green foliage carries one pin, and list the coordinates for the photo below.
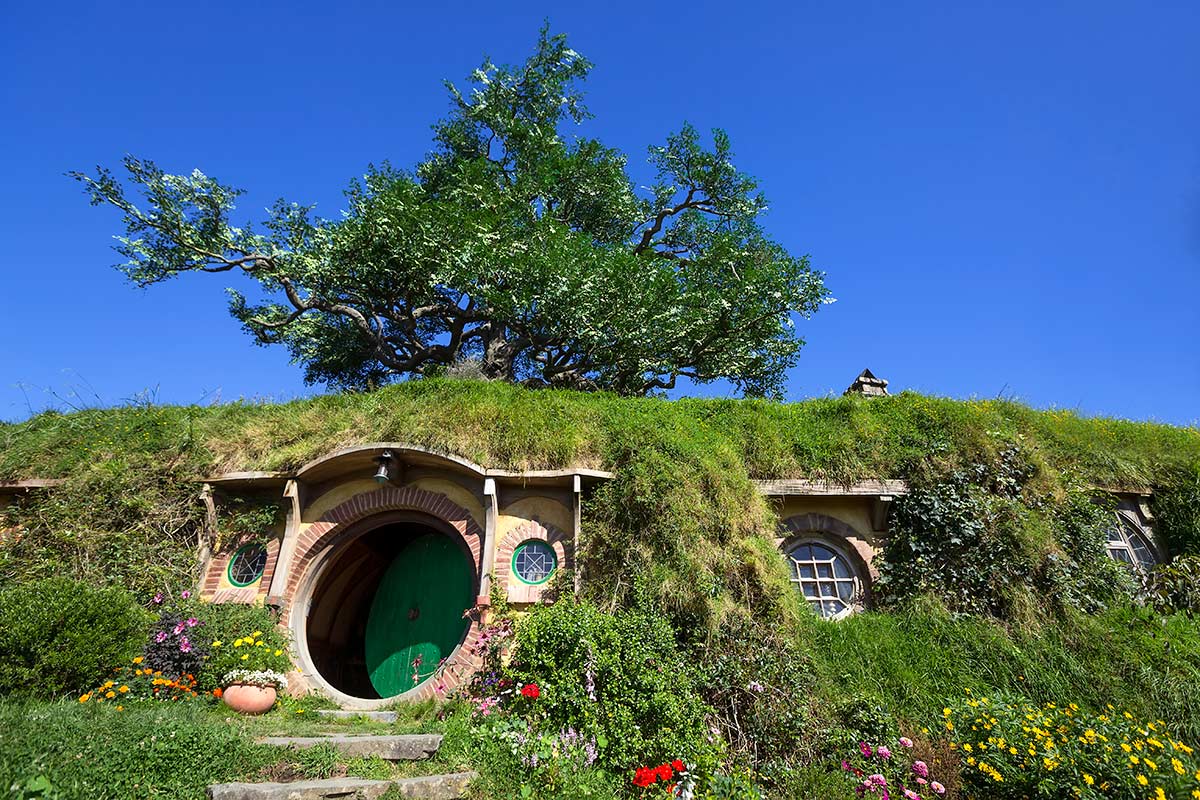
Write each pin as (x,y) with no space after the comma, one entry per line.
(615,676)
(60,637)
(511,244)
(1176,507)
(759,683)
(98,753)
(991,539)
(240,517)
(1175,587)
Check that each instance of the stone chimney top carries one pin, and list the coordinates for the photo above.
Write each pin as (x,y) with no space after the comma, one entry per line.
(868,385)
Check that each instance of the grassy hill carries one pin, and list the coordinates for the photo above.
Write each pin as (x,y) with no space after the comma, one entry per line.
(681,533)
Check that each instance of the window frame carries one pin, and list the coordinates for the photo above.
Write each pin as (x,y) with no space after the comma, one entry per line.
(841,551)
(234,558)
(521,548)
(1129,530)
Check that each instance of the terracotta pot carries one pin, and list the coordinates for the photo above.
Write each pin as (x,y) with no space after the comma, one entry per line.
(249,698)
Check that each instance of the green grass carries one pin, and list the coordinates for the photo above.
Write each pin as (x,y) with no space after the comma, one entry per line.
(176,750)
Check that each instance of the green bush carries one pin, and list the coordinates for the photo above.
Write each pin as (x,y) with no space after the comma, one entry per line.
(617,675)
(60,637)
(756,679)
(1176,509)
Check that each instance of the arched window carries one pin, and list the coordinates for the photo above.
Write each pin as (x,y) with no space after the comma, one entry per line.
(826,577)
(1128,544)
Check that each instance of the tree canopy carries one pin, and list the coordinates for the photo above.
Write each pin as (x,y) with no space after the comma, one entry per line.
(512,243)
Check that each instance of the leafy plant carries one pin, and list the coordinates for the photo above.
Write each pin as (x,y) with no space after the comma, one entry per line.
(511,243)
(59,636)
(176,645)
(260,655)
(1176,507)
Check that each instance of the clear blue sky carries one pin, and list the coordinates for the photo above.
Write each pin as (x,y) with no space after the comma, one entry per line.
(1005,196)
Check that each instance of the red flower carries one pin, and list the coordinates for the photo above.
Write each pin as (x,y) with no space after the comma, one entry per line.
(644,776)
(531,691)
(678,766)
(665,772)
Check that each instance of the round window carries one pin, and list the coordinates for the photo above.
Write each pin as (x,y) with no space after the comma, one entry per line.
(247,564)
(534,561)
(825,577)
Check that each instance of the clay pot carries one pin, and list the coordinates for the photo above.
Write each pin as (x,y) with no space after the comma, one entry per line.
(249,698)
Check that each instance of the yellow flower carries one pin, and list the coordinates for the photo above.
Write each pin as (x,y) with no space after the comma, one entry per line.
(84,698)
(123,689)
(1159,794)
(217,643)
(120,708)
(967,747)
(1142,780)
(1088,779)
(1150,763)
(256,634)
(138,660)
(258,644)
(237,643)
(278,652)
(110,694)
(245,656)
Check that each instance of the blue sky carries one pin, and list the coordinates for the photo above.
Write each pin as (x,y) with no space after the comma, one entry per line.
(1005,196)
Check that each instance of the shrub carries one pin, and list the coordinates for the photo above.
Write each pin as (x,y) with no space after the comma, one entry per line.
(757,681)
(617,676)
(59,637)
(1175,587)
(176,644)
(1176,509)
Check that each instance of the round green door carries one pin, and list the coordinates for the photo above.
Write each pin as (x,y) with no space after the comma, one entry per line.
(416,618)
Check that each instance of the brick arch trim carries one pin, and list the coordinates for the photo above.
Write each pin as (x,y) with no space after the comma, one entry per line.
(332,524)
(323,533)
(519,592)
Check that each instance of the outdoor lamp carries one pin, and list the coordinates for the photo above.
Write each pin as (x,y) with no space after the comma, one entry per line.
(383,474)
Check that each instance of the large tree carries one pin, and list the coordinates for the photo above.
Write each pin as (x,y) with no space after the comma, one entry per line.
(511,244)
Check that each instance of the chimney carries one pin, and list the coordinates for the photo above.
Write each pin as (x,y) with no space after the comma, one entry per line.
(868,385)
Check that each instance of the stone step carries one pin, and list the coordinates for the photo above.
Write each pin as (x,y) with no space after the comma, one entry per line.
(378,716)
(401,747)
(430,787)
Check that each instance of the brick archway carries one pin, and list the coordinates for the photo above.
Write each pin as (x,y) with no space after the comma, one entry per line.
(321,541)
(832,531)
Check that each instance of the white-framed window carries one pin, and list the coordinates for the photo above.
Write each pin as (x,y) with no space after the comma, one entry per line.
(1129,545)
(826,576)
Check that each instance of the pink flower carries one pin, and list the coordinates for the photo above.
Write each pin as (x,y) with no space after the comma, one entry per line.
(160,637)
(877,780)
(906,742)
(911,795)
(922,781)
(920,769)
(185,594)
(937,787)
(865,749)
(179,629)
(192,622)
(883,751)
(158,598)
(184,645)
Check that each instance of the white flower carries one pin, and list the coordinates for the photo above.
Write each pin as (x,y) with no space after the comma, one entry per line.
(264,677)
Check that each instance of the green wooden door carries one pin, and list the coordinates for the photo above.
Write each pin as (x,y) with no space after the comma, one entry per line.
(417,613)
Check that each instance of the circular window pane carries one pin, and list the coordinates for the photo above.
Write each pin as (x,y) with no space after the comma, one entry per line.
(534,562)
(247,564)
(825,577)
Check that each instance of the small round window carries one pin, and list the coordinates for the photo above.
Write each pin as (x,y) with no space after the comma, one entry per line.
(825,577)
(247,564)
(534,562)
